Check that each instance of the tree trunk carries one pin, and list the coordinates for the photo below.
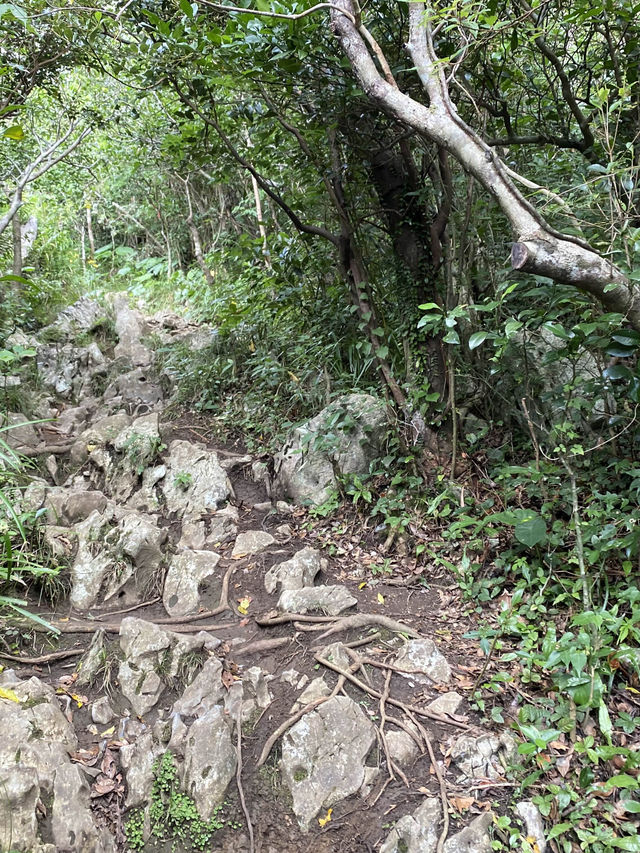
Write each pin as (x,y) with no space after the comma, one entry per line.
(92,244)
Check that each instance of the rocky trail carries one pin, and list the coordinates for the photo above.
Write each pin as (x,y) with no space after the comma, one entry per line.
(220,680)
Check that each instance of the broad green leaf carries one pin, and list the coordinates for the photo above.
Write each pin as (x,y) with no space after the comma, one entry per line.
(477,338)
(14,132)
(531,532)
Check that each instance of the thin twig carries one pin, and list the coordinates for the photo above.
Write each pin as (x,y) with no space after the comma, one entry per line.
(383,719)
(131,609)
(441,783)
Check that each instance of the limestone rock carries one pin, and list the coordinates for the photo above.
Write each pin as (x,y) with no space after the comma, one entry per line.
(138,443)
(71,822)
(20,795)
(307,463)
(187,571)
(209,760)
(195,482)
(19,432)
(447,703)
(99,434)
(479,757)
(315,690)
(403,749)
(101,711)
(474,838)
(323,756)
(416,833)
(205,691)
(251,542)
(331,600)
(423,663)
(137,760)
(223,525)
(296,573)
(152,657)
(136,390)
(534,825)
(129,328)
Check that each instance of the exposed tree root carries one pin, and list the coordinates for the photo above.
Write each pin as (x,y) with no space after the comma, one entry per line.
(261,646)
(271,740)
(70,653)
(341,623)
(443,788)
(421,712)
(239,779)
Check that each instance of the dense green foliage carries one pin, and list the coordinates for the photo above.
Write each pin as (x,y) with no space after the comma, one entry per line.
(233,170)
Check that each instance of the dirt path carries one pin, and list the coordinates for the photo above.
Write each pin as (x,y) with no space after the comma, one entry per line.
(305,703)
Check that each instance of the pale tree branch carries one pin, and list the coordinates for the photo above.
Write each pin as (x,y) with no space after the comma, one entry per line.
(538,248)
(46,160)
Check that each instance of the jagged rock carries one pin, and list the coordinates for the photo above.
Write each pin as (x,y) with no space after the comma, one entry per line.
(20,795)
(331,600)
(137,760)
(69,506)
(223,525)
(233,463)
(251,542)
(479,757)
(102,432)
(252,695)
(193,536)
(34,760)
(21,436)
(337,653)
(447,703)
(93,659)
(403,749)
(80,317)
(194,482)
(135,390)
(534,825)
(307,464)
(71,823)
(109,554)
(60,541)
(68,370)
(209,760)
(145,498)
(474,838)
(290,676)
(423,663)
(296,573)
(316,690)
(129,328)
(187,571)
(138,443)
(101,711)
(205,691)
(323,756)
(416,833)
(152,657)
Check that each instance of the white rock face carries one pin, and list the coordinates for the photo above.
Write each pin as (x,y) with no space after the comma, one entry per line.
(251,542)
(533,822)
(129,328)
(423,663)
(194,481)
(479,757)
(209,760)
(296,573)
(323,756)
(187,571)
(416,833)
(331,600)
(307,463)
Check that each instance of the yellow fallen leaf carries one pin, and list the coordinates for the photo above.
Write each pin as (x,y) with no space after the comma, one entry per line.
(243,605)
(91,447)
(362,585)
(293,376)
(380,598)
(108,732)
(5,693)
(324,820)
